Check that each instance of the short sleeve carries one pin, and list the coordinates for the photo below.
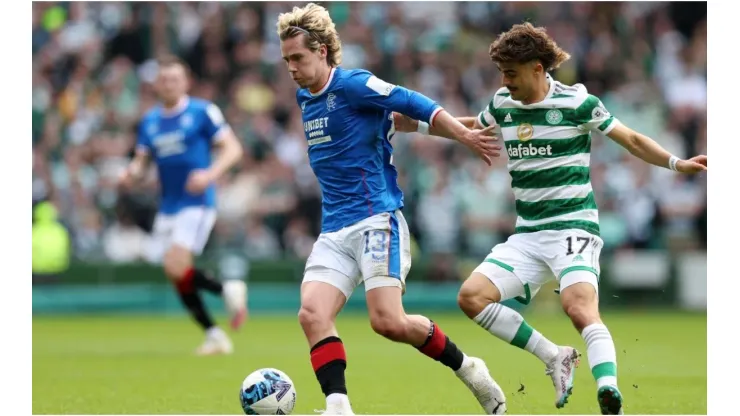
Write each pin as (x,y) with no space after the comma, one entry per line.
(593,116)
(214,122)
(485,117)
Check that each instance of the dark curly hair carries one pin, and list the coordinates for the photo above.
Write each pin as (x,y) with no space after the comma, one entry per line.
(525,43)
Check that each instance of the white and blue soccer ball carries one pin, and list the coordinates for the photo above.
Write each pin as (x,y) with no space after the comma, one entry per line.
(267,391)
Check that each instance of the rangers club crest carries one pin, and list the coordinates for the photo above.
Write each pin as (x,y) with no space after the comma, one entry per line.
(331,101)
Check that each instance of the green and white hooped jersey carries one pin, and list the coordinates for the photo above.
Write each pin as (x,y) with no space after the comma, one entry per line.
(549,147)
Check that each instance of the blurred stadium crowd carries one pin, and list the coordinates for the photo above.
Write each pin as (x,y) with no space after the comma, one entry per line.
(93,68)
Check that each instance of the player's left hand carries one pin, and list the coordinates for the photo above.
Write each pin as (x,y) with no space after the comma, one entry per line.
(198,181)
(692,166)
(404,124)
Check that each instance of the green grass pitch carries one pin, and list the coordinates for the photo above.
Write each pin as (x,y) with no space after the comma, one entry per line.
(145,365)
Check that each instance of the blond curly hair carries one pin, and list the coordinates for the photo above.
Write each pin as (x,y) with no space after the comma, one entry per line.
(313,21)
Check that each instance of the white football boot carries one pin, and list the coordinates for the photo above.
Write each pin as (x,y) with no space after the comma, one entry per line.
(476,377)
(217,342)
(235,298)
(338,404)
(562,370)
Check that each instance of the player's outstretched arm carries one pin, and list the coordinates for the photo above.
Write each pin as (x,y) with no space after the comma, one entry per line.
(407,124)
(593,116)
(469,122)
(481,141)
(651,152)
(366,91)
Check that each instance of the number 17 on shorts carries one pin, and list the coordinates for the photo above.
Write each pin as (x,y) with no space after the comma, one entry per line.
(578,251)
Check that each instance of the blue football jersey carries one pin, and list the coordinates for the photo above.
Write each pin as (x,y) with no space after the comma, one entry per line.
(180,142)
(349,126)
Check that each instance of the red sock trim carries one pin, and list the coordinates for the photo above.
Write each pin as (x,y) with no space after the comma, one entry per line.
(436,344)
(327,353)
(185,285)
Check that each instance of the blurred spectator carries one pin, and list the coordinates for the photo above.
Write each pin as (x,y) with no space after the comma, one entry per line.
(51,247)
(93,68)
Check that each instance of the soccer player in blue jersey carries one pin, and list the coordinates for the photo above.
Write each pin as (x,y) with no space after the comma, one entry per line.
(178,136)
(348,123)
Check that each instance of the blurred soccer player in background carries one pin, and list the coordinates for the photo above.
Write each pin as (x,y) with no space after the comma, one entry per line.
(178,135)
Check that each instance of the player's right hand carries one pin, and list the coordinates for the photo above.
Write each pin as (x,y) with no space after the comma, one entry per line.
(483,143)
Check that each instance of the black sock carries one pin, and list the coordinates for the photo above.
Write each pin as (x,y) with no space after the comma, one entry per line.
(329,362)
(202,281)
(451,356)
(194,304)
(439,347)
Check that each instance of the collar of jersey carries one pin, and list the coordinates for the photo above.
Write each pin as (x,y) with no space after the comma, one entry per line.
(552,86)
(326,86)
(179,108)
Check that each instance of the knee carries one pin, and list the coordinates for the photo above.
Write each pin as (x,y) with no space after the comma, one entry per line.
(582,309)
(175,265)
(470,302)
(389,326)
(472,299)
(311,318)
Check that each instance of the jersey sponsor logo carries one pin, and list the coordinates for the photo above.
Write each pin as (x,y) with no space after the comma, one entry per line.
(522,150)
(524,132)
(554,116)
(315,130)
(316,124)
(331,101)
(170,144)
(379,86)
(319,140)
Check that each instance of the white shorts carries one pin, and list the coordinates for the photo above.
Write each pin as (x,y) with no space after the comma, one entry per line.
(376,251)
(533,259)
(189,228)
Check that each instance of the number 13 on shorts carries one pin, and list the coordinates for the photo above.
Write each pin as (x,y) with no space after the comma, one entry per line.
(377,246)
(386,249)
(379,256)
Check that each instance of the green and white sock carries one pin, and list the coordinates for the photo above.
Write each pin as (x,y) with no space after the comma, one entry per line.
(508,325)
(602,356)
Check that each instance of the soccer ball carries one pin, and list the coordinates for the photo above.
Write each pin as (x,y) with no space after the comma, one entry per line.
(267,391)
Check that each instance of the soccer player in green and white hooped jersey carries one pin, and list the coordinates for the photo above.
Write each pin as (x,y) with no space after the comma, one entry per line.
(546,129)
